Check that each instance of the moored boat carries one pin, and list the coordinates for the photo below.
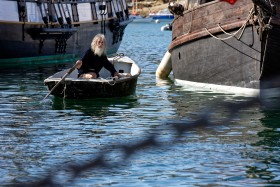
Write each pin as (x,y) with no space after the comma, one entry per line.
(226,46)
(162,15)
(104,86)
(41,30)
(136,18)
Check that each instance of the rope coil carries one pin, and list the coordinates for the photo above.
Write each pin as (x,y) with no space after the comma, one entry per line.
(110,80)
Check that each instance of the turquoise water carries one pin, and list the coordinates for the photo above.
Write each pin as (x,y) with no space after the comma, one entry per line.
(40,138)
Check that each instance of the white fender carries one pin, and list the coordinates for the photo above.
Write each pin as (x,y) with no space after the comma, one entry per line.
(165,66)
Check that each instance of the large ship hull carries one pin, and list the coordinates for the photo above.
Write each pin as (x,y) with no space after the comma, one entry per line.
(31,37)
(223,45)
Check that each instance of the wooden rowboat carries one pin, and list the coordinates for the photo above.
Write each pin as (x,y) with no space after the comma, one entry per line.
(104,86)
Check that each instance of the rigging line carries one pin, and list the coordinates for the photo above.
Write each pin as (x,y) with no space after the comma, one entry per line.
(232,35)
(64,91)
(264,53)
(240,51)
(192,12)
(242,32)
(249,45)
(247,19)
(222,39)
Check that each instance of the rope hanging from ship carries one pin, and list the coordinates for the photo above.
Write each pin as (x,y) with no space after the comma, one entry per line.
(22,15)
(261,16)
(269,35)
(266,6)
(242,28)
(234,35)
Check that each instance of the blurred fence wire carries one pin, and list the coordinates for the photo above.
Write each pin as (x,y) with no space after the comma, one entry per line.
(66,174)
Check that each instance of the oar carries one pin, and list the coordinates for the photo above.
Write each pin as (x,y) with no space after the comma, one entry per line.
(68,73)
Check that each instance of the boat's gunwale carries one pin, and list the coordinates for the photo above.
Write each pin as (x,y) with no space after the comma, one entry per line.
(188,37)
(55,23)
(99,80)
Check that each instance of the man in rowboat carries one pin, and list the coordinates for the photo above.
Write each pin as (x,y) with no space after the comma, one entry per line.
(95,59)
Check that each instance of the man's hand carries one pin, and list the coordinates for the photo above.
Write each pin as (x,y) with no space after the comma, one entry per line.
(116,74)
(79,64)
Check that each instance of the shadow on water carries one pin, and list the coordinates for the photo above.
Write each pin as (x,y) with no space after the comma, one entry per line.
(44,69)
(95,106)
(254,130)
(169,81)
(266,156)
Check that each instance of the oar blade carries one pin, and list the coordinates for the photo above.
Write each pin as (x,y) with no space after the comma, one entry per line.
(62,79)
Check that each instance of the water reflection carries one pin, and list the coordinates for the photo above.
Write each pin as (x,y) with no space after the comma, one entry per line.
(36,137)
(164,82)
(250,133)
(95,106)
(266,156)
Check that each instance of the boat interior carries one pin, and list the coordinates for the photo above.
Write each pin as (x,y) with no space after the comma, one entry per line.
(125,68)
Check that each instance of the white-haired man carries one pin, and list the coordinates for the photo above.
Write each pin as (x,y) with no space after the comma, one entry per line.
(95,59)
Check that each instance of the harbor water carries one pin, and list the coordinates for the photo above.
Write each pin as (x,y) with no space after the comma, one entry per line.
(213,145)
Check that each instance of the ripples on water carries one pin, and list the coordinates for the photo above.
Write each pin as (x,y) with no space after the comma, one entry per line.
(37,137)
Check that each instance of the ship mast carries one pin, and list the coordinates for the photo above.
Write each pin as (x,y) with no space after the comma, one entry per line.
(134,7)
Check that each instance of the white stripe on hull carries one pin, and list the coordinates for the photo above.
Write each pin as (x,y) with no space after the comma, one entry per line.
(196,86)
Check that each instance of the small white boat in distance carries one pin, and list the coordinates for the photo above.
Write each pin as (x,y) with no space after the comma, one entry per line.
(162,15)
(136,18)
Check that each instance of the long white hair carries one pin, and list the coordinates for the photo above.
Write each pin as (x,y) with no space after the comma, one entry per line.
(98,51)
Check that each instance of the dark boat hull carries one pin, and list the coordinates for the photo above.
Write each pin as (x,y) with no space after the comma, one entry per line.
(212,61)
(211,46)
(43,31)
(91,89)
(20,44)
